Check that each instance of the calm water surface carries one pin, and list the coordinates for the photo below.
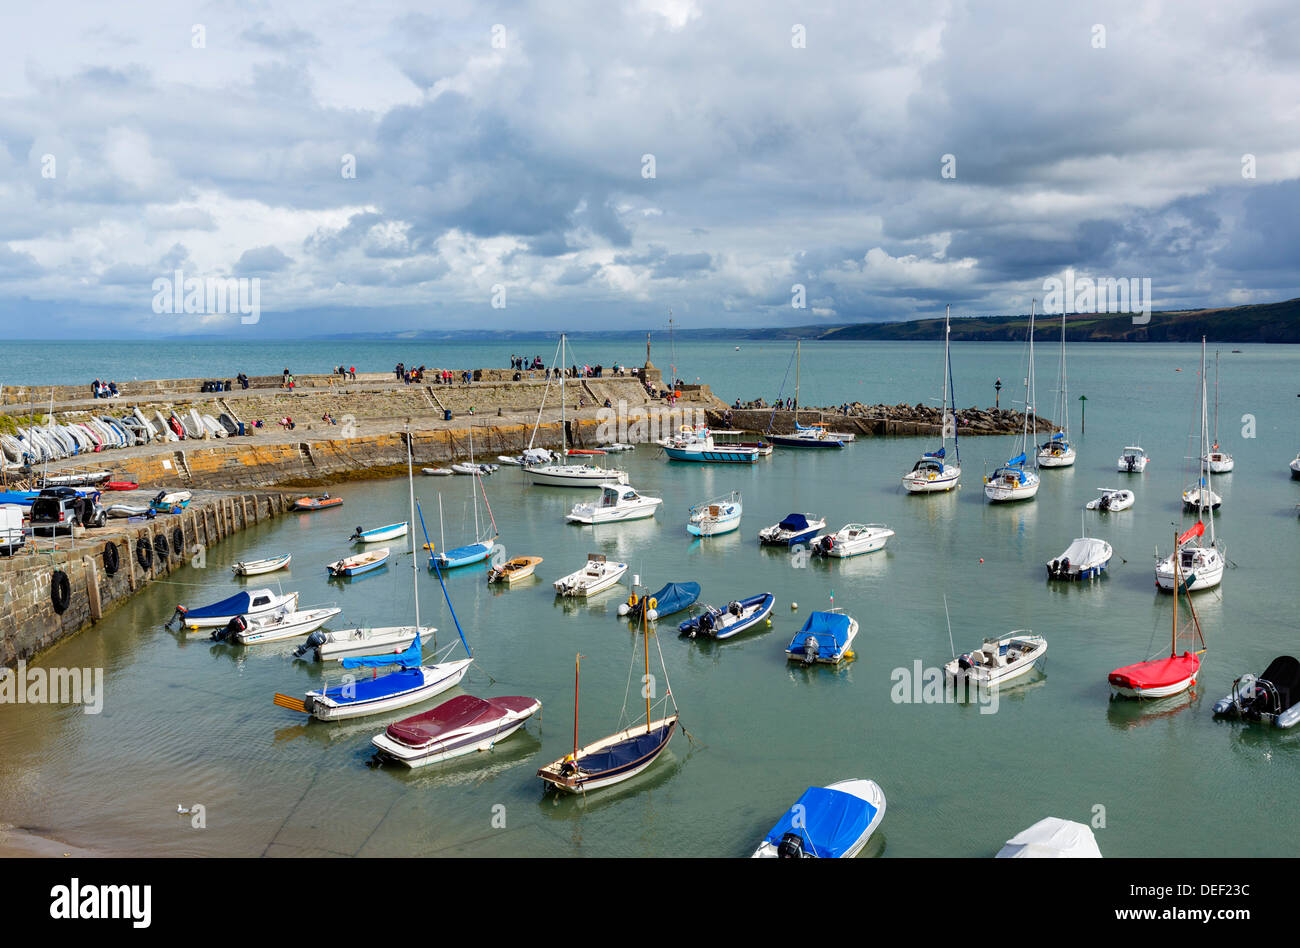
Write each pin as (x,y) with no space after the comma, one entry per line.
(186,721)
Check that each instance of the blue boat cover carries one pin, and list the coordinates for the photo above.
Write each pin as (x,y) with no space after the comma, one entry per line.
(795,521)
(1059,436)
(411,658)
(935,454)
(1018,459)
(236,605)
(466,554)
(675,597)
(832,821)
(23,498)
(372,689)
(831,629)
(624,753)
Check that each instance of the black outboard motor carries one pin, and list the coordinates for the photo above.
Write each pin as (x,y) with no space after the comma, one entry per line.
(355,534)
(1104,504)
(315,640)
(1054,568)
(158,499)
(232,628)
(180,613)
(1065,566)
(964,663)
(791,847)
(810,645)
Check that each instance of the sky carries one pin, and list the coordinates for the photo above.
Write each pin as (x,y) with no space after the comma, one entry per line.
(442,165)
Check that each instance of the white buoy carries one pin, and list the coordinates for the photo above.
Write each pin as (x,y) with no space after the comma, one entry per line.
(794,606)
(623,609)
(652,614)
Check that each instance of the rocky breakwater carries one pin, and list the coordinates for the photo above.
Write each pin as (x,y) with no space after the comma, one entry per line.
(876,420)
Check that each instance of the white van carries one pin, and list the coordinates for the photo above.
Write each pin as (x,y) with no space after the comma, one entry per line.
(11,529)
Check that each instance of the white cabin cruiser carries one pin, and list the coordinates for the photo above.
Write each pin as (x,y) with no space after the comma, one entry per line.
(617,502)
(998,661)
(1133,461)
(598,575)
(852,539)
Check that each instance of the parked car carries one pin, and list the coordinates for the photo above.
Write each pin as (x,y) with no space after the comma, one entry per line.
(59,509)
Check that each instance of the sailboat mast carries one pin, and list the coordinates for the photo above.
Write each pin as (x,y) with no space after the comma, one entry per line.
(415,560)
(577,666)
(564,442)
(797,343)
(472,491)
(645,630)
(1204,504)
(1029,387)
(1216,399)
(943,408)
(1065,385)
(1173,641)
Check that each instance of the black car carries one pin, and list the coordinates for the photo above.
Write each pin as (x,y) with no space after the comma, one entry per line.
(58,509)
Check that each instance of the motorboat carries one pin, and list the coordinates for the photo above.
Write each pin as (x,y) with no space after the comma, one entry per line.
(392,531)
(1052,838)
(715,517)
(795,528)
(696,443)
(521,567)
(852,539)
(361,563)
(617,502)
(171,499)
(461,725)
(825,637)
(737,616)
(323,502)
(1272,698)
(248,604)
(1084,558)
(598,575)
(1112,499)
(256,567)
(472,468)
(998,661)
(274,626)
(673,597)
(337,645)
(832,822)
(1295,468)
(437,471)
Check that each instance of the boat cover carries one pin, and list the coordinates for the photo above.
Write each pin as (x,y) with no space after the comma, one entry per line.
(1018,459)
(466,554)
(454,715)
(832,821)
(625,753)
(795,522)
(675,597)
(1283,673)
(373,689)
(935,454)
(1195,530)
(236,605)
(831,629)
(1087,551)
(412,657)
(1052,838)
(1158,673)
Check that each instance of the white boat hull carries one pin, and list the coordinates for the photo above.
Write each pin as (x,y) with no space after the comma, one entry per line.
(998,493)
(1164,691)
(575,475)
(294,625)
(583,584)
(417,757)
(1220,463)
(932,483)
(1064,459)
(595,513)
(1206,573)
(437,679)
(354,643)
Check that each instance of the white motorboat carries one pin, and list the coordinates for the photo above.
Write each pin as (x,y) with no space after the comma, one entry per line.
(248,604)
(472,468)
(462,725)
(617,502)
(1085,558)
(1201,497)
(598,575)
(1113,499)
(1011,482)
(998,661)
(794,528)
(715,517)
(852,539)
(277,626)
(437,471)
(696,443)
(832,822)
(1052,838)
(1295,468)
(1133,461)
(350,643)
(257,567)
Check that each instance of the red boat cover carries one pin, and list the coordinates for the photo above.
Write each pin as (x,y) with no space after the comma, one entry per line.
(1195,530)
(121,485)
(1157,674)
(461,711)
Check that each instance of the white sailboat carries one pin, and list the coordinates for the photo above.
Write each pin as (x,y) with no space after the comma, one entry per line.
(1201,566)
(569,475)
(1057,451)
(1220,461)
(1012,482)
(933,473)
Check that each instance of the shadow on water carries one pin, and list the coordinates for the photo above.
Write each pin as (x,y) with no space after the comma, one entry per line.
(1125,714)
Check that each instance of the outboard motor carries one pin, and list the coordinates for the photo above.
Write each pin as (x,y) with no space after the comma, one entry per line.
(1131,461)
(824,545)
(706,623)
(1054,569)
(232,628)
(791,847)
(355,534)
(964,662)
(315,640)
(810,645)
(159,498)
(180,613)
(1065,566)
(1104,504)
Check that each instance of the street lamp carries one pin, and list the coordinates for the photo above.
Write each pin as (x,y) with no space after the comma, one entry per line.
(997,394)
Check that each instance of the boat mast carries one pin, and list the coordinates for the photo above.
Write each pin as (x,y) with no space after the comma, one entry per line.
(1204,505)
(645,687)
(1065,385)
(1173,639)
(1216,399)
(943,407)
(672,349)
(577,665)
(564,443)
(1029,388)
(796,381)
(415,560)
(472,490)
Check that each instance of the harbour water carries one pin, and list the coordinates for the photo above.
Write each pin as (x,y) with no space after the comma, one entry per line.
(189,722)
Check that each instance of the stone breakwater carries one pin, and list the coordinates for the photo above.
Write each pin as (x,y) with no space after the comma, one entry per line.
(877,420)
(99,580)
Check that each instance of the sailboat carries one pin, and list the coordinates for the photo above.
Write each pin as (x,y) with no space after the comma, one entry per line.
(1162,677)
(933,473)
(568,475)
(1057,450)
(1012,482)
(805,436)
(477,551)
(624,754)
(1202,566)
(411,683)
(1220,461)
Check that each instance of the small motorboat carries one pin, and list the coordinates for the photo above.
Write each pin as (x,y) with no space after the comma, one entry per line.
(617,502)
(715,517)
(274,626)
(795,528)
(1295,468)
(696,443)
(129,510)
(467,468)
(1272,698)
(171,499)
(382,534)
(351,643)
(323,502)
(1132,460)
(825,637)
(460,726)
(831,822)
(1112,499)
(1085,558)
(530,457)
(437,471)
(852,539)
(723,623)
(248,604)
(998,661)
(1052,838)
(361,563)
(673,597)
(598,575)
(521,567)
(256,567)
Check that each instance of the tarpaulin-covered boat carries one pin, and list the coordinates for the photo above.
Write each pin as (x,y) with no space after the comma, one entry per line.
(460,726)
(831,822)
(825,637)
(673,597)
(252,603)
(1273,697)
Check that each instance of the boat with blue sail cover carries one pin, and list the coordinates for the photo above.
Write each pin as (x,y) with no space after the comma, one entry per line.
(795,528)
(1057,451)
(825,637)
(832,822)
(722,623)
(1012,482)
(481,548)
(673,597)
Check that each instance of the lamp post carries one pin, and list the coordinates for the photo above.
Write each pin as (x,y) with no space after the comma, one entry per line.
(997,394)
(1083,414)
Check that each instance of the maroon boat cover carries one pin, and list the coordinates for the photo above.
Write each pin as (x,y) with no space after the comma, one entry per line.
(460,712)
